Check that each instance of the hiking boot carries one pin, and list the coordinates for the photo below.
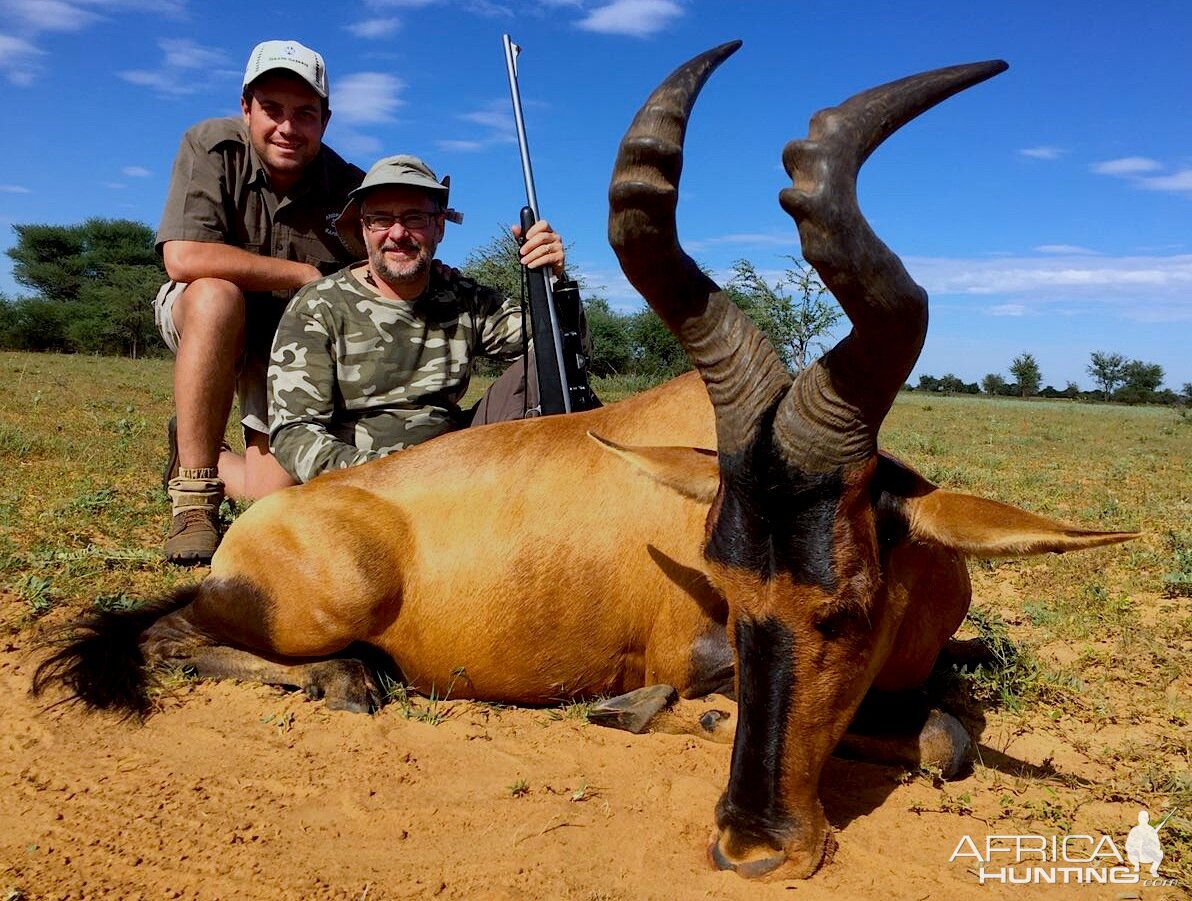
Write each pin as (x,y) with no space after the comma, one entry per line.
(194,533)
(170,471)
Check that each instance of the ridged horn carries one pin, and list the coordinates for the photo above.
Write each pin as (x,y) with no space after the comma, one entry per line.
(834,411)
(743,373)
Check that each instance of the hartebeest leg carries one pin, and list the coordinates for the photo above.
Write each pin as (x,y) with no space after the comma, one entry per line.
(344,684)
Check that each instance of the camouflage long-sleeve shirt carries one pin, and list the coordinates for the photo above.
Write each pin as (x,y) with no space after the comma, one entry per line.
(354,376)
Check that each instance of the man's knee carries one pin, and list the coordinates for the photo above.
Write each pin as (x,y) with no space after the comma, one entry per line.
(213,307)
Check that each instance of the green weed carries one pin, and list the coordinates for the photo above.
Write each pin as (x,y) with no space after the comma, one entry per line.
(37,592)
(518,789)
(1177,583)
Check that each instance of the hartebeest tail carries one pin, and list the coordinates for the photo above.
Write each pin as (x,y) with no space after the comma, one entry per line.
(99,658)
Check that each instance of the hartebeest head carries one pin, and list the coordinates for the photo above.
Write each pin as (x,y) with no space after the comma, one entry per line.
(793,534)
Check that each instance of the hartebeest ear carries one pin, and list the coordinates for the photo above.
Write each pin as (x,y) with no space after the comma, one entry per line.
(984,528)
(694,472)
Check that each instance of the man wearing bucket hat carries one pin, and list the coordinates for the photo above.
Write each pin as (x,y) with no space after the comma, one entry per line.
(248,220)
(376,357)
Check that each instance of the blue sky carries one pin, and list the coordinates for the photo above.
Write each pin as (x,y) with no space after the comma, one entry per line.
(1048,210)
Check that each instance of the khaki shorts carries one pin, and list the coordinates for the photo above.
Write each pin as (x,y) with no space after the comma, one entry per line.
(262,315)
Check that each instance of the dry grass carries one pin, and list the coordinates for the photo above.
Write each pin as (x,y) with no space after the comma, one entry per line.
(1102,641)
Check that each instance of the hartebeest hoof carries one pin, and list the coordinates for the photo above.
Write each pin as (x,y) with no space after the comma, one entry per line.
(343,685)
(633,711)
(944,744)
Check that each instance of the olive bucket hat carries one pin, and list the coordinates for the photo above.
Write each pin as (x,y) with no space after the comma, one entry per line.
(402,169)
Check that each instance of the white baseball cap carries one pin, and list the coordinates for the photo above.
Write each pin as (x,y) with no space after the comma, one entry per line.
(291,56)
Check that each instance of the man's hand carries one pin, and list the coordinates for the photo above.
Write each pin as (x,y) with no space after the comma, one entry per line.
(543,247)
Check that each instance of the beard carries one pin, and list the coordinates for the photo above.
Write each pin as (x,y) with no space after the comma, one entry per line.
(395,272)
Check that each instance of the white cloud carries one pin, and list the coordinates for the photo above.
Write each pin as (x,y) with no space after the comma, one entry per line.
(48,15)
(746,240)
(19,60)
(371,29)
(1130,165)
(186,68)
(186,54)
(367,98)
(356,144)
(1142,172)
(114,185)
(135,172)
(1070,249)
(1144,288)
(636,18)
(25,20)
(1178,181)
(1042,153)
(461,146)
(14,189)
(1008,309)
(496,120)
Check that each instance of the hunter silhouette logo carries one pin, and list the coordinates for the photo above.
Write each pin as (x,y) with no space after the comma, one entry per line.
(1142,844)
(1068,859)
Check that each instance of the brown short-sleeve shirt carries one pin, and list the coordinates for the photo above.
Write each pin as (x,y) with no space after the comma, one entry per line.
(219,193)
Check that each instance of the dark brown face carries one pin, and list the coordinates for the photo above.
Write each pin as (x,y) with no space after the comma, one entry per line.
(800,567)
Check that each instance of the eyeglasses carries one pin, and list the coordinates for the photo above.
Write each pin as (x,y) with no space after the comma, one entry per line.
(411,221)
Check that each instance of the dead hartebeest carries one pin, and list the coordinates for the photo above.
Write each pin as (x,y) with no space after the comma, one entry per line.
(527,563)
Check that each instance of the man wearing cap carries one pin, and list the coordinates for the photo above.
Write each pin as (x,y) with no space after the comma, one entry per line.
(376,357)
(248,220)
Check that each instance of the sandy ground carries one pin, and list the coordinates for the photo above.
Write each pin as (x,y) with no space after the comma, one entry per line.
(242,791)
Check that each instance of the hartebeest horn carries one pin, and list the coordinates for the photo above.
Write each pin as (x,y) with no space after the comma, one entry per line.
(832,414)
(743,373)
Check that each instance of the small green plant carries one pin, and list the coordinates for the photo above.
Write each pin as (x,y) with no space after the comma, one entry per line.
(37,592)
(518,789)
(90,503)
(1014,677)
(115,603)
(283,721)
(412,706)
(574,710)
(1178,582)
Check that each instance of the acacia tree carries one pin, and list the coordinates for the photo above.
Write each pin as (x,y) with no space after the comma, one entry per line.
(1108,371)
(794,321)
(993,384)
(93,282)
(1025,370)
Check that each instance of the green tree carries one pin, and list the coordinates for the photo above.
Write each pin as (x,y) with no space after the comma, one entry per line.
(993,384)
(94,283)
(497,264)
(612,338)
(1107,370)
(794,320)
(656,352)
(1142,377)
(950,383)
(59,261)
(1026,370)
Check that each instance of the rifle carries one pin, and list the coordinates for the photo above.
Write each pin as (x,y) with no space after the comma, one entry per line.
(560,364)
